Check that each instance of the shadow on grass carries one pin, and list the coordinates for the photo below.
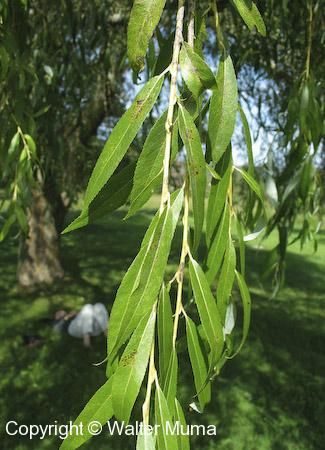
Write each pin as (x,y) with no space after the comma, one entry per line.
(269,397)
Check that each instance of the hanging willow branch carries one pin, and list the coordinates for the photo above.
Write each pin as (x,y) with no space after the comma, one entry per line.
(146,304)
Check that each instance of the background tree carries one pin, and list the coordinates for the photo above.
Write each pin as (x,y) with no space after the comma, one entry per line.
(76,91)
(59,67)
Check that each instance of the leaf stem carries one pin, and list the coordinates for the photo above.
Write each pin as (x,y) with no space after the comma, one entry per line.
(309,37)
(180,272)
(172,101)
(191,24)
(152,375)
(218,26)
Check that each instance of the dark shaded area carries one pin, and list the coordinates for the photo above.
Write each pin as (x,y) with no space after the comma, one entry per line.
(269,397)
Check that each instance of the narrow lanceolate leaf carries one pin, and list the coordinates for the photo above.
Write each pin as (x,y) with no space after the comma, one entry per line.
(250,15)
(165,332)
(149,170)
(99,408)
(196,169)
(218,195)
(198,364)
(248,140)
(113,195)
(230,319)
(144,18)
(246,299)
(140,286)
(146,441)
(242,251)
(6,226)
(208,310)
(148,173)
(196,73)
(121,137)
(226,279)
(252,183)
(223,109)
(176,201)
(170,385)
(166,440)
(183,439)
(132,368)
(218,245)
(213,173)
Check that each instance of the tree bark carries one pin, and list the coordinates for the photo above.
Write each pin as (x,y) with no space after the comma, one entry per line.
(39,262)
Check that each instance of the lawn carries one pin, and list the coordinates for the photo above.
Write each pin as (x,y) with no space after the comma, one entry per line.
(269,397)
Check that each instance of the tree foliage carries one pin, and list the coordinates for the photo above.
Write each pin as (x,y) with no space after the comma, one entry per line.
(208,261)
(56,89)
(170,49)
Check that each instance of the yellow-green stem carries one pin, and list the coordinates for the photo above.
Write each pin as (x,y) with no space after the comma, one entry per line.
(172,102)
(180,272)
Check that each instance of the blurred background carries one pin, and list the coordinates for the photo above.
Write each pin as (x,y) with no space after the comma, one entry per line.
(64,82)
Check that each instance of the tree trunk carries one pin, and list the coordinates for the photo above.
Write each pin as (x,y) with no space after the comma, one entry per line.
(39,262)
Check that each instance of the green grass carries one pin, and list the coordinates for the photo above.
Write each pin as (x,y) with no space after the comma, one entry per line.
(269,397)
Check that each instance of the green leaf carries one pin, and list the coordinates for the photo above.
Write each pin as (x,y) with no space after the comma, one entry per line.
(258,230)
(21,218)
(246,299)
(252,183)
(144,18)
(146,441)
(208,310)
(149,170)
(241,240)
(31,145)
(170,385)
(121,137)
(223,109)
(165,439)
(200,31)
(229,320)
(140,286)
(196,73)
(213,173)
(218,195)
(165,332)
(99,408)
(198,364)
(183,439)
(113,195)
(218,246)
(196,169)
(250,15)
(13,146)
(307,177)
(132,368)
(248,140)
(148,173)
(7,225)
(226,279)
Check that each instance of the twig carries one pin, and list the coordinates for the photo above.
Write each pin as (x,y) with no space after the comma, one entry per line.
(152,375)
(180,272)
(172,101)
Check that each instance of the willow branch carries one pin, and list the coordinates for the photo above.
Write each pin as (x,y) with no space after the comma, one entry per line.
(172,101)
(152,375)
(309,37)
(180,272)
(218,26)
(191,24)
(184,252)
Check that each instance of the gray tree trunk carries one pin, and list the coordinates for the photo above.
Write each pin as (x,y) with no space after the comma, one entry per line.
(39,262)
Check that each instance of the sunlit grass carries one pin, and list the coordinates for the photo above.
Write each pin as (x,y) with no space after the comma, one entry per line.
(269,397)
